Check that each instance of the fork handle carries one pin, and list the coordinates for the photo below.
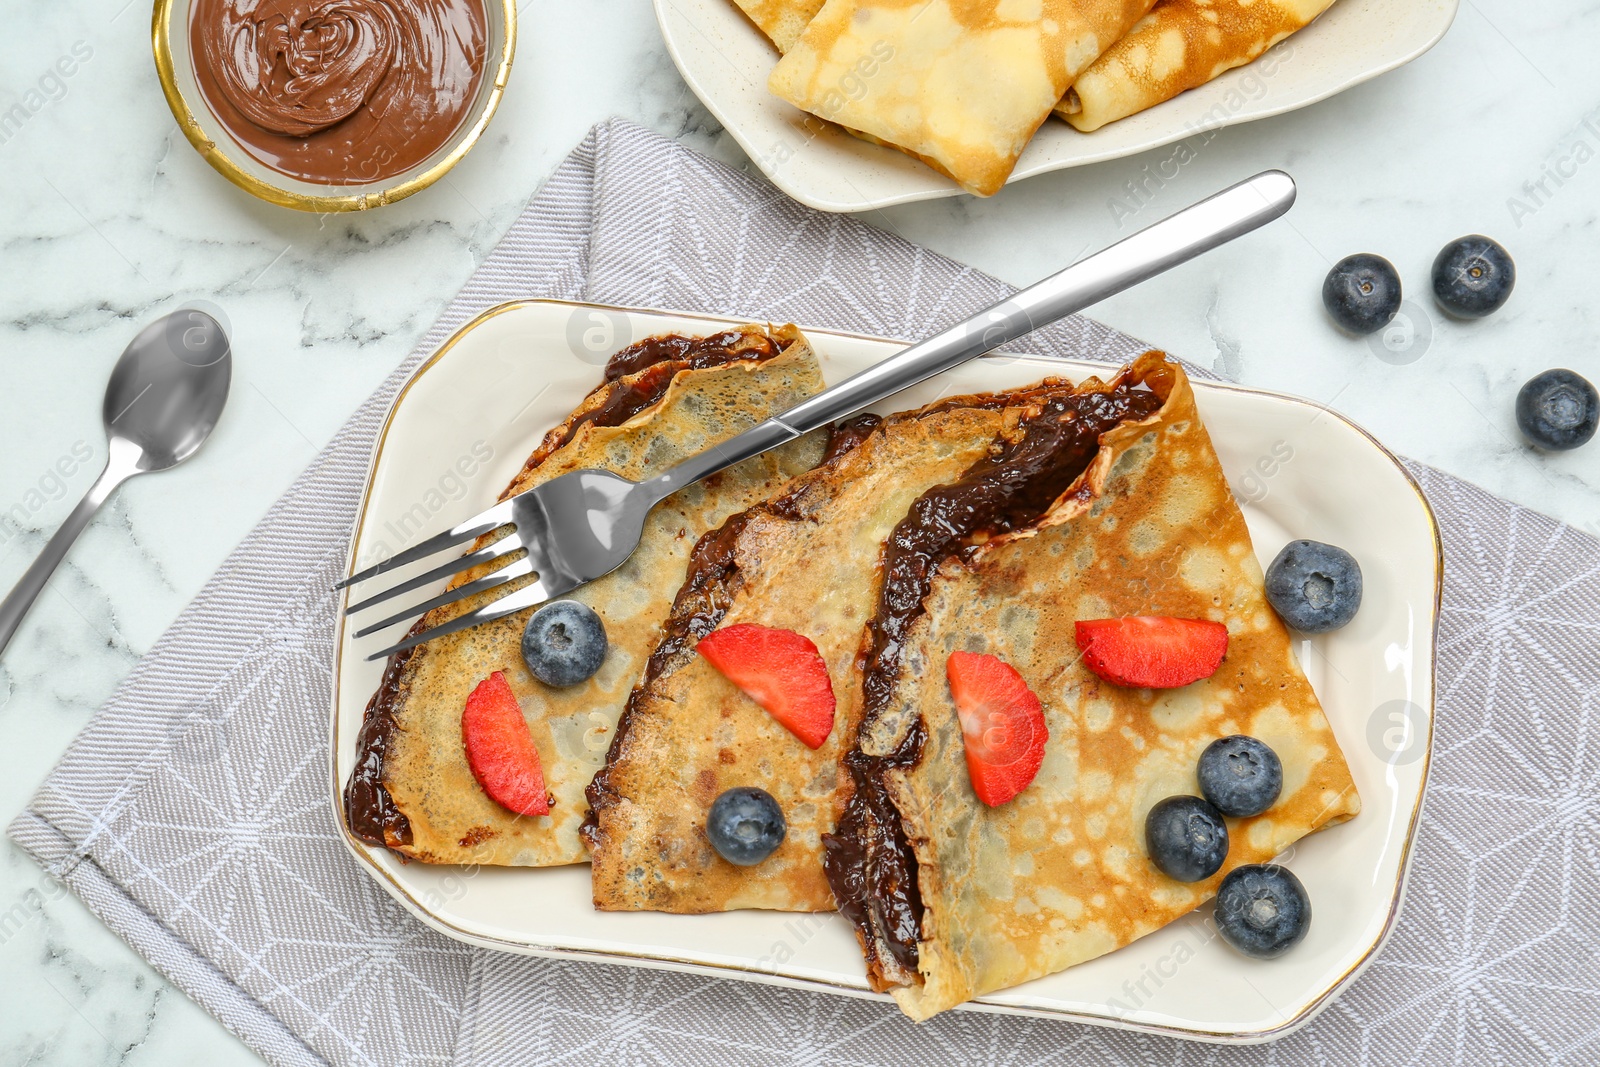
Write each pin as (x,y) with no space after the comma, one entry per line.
(1177,239)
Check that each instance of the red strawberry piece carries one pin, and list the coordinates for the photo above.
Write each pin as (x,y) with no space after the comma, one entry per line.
(1152,651)
(780,670)
(1002,723)
(500,750)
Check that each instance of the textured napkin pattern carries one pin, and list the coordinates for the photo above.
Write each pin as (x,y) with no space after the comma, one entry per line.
(193,813)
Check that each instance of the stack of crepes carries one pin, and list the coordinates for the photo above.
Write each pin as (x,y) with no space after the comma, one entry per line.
(964,84)
(986,523)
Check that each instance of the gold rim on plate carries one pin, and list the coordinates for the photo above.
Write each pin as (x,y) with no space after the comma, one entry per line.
(215,149)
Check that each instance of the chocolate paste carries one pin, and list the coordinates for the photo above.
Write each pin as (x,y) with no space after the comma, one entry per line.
(869,863)
(339,92)
(369,810)
(656,361)
(844,437)
(692,352)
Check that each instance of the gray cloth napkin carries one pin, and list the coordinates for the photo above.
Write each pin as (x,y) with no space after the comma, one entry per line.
(193,816)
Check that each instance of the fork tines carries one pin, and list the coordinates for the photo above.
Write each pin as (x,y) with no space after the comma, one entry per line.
(507,557)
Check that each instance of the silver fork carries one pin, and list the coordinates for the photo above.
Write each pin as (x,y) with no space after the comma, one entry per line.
(584,524)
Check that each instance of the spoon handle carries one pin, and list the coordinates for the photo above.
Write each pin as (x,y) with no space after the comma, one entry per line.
(119,468)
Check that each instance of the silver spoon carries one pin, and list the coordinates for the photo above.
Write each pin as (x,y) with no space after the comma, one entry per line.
(162,402)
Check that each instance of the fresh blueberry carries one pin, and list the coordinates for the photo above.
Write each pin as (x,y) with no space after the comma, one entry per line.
(1558,410)
(1186,838)
(1240,775)
(564,643)
(1473,276)
(1314,587)
(1362,293)
(745,825)
(1262,910)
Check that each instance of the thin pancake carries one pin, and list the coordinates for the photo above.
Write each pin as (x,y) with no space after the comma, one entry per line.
(781,20)
(413,790)
(1059,875)
(1179,45)
(805,561)
(960,84)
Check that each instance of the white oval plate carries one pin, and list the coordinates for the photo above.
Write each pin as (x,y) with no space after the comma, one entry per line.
(460,430)
(726,60)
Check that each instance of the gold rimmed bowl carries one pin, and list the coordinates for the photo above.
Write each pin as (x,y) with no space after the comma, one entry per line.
(170,38)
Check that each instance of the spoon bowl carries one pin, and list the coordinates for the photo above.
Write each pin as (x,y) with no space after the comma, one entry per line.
(168,389)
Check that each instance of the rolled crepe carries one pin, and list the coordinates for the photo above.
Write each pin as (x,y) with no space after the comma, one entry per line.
(960,84)
(1179,45)
(1059,874)
(412,789)
(808,562)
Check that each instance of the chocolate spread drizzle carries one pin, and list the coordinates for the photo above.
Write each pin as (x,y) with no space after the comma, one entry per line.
(869,862)
(693,352)
(845,436)
(370,811)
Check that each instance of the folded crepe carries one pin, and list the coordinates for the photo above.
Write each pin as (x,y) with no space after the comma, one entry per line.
(821,559)
(952,899)
(960,84)
(804,561)
(781,20)
(663,400)
(1179,45)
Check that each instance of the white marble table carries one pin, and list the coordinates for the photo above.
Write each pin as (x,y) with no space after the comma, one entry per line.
(110,219)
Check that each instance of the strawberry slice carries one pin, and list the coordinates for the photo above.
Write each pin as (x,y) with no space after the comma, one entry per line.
(500,750)
(1002,723)
(780,670)
(1152,651)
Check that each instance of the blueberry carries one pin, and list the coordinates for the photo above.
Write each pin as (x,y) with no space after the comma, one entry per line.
(1314,587)
(564,643)
(1558,410)
(1473,276)
(1262,910)
(1362,293)
(1186,838)
(1240,775)
(745,825)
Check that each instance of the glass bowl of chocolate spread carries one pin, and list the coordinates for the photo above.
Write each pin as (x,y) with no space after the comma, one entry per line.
(333,105)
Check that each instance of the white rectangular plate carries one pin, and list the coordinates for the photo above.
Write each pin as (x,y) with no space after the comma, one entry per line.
(726,61)
(461,429)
